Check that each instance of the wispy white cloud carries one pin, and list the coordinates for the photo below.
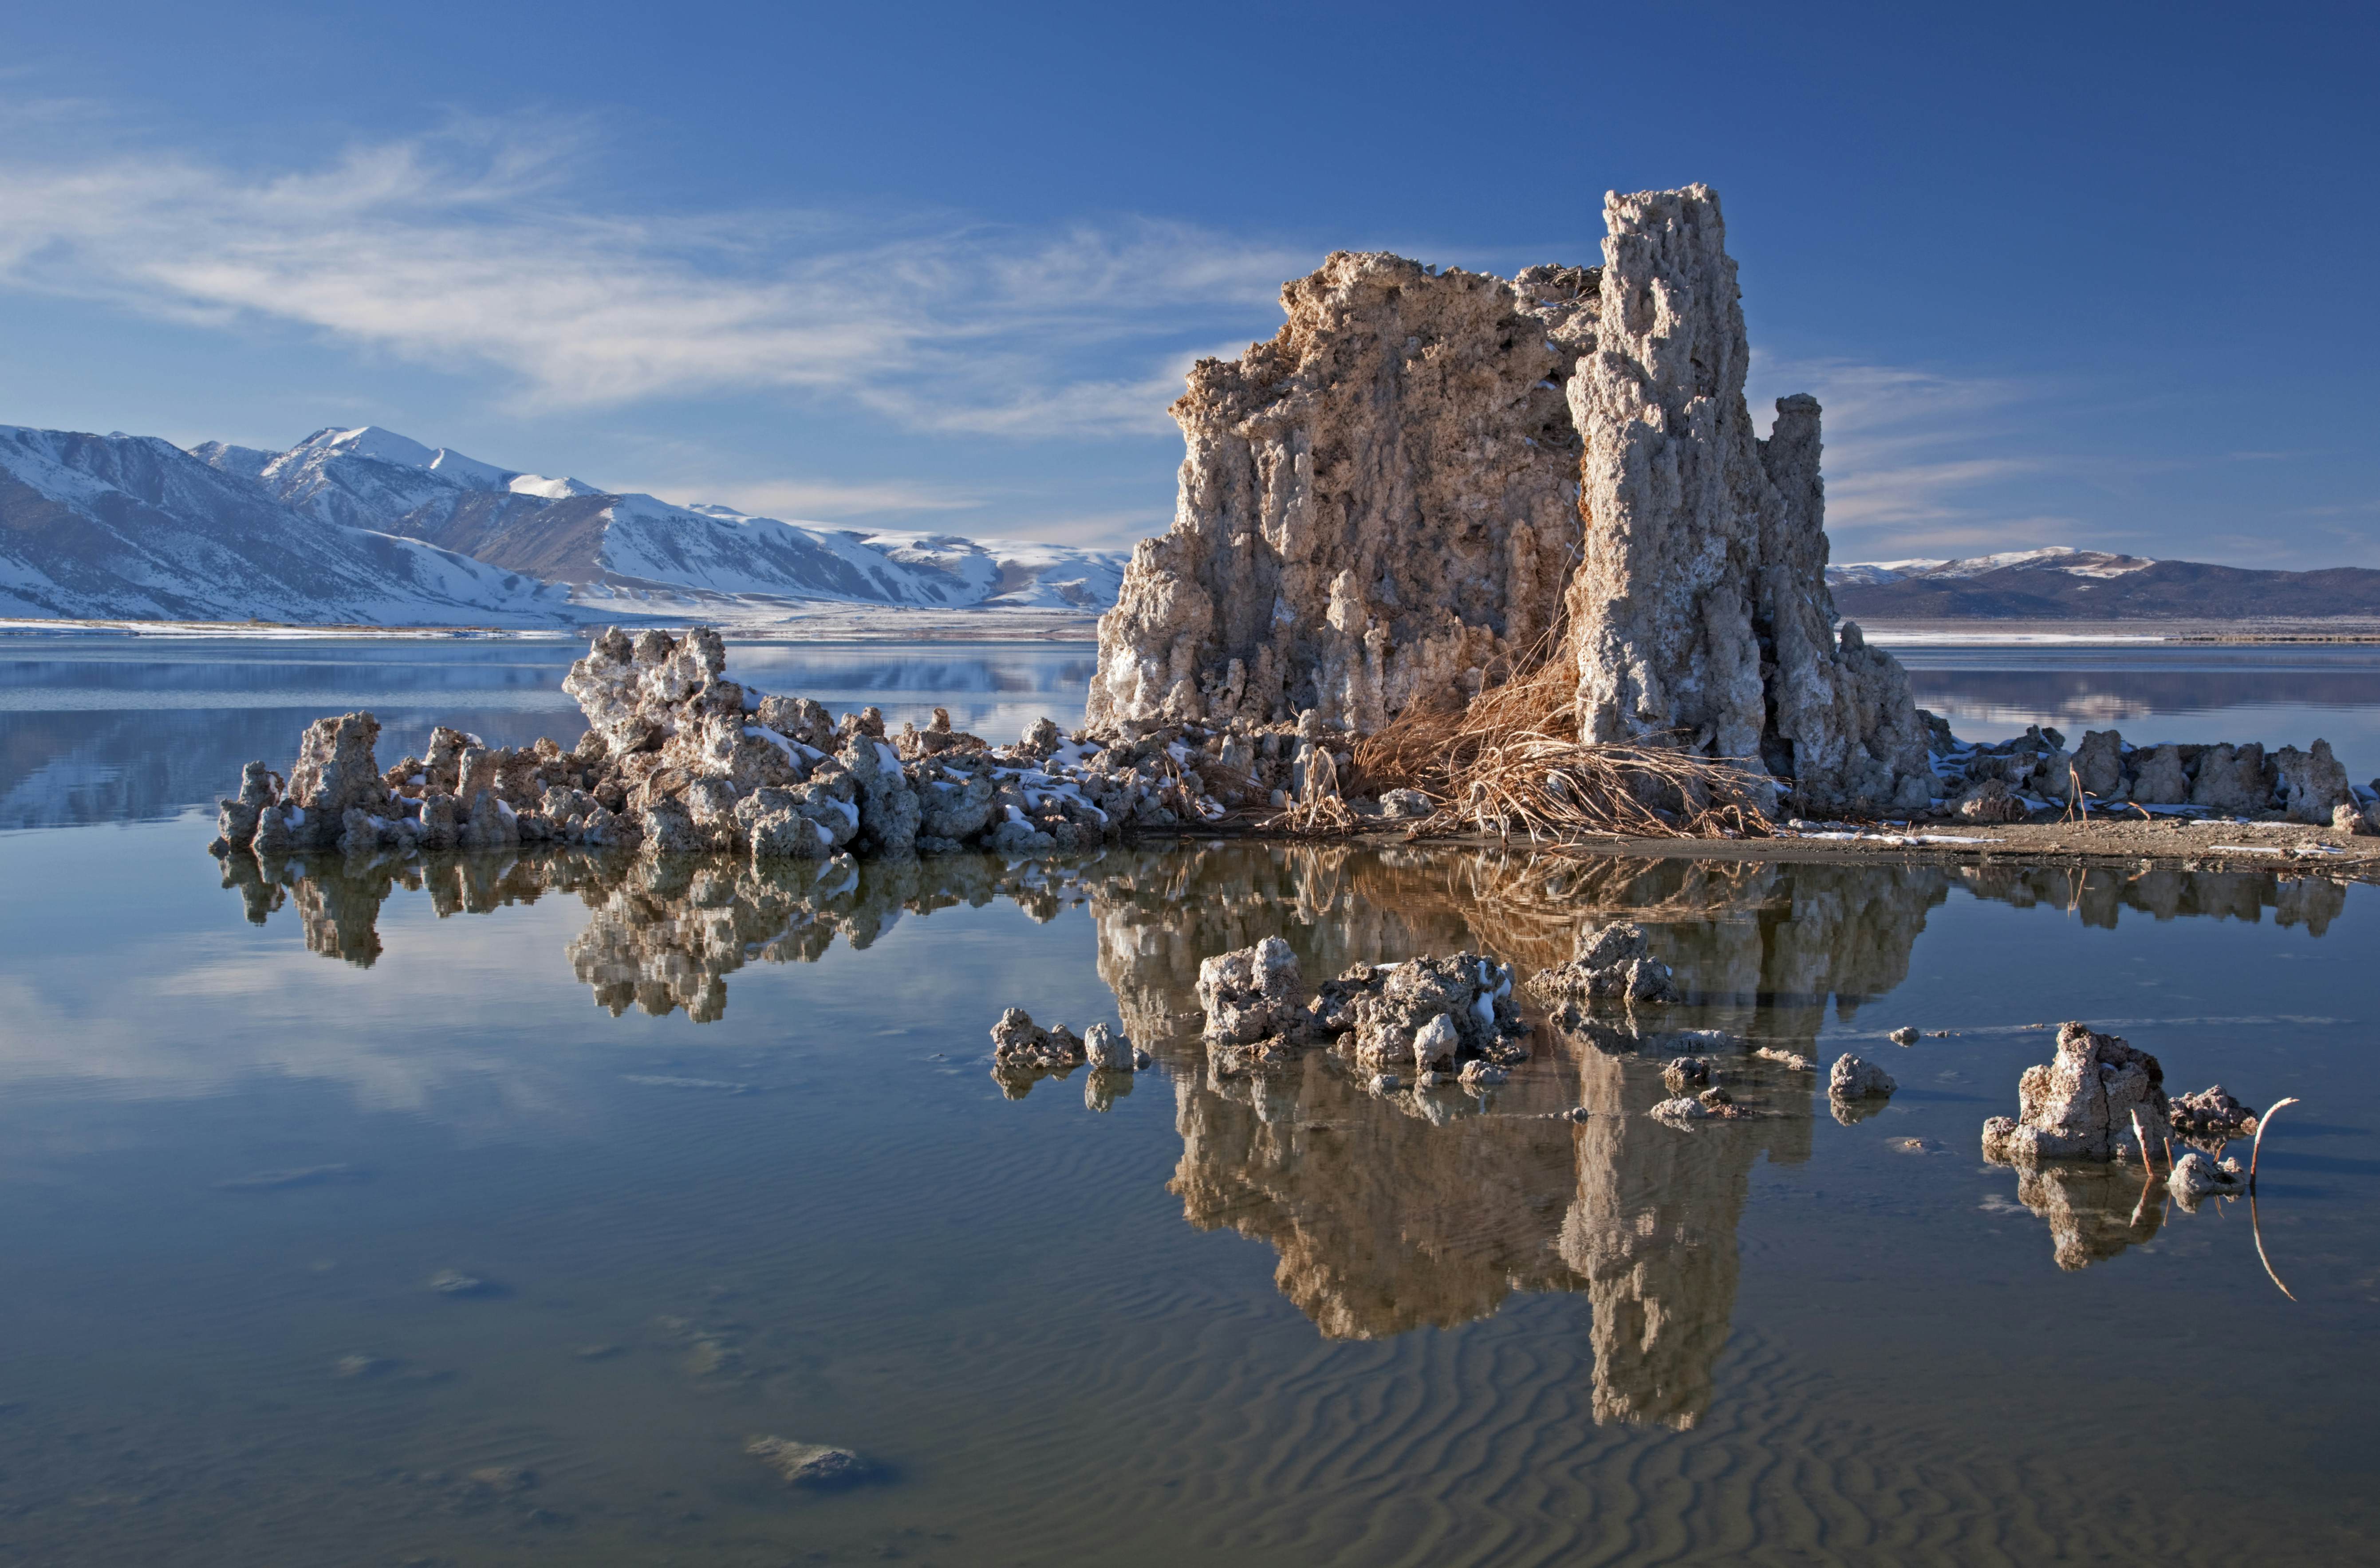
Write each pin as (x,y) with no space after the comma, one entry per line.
(471,249)
(801,500)
(1915,461)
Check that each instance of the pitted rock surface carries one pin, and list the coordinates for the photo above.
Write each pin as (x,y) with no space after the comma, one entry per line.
(1251,994)
(1378,506)
(2080,1104)
(1700,610)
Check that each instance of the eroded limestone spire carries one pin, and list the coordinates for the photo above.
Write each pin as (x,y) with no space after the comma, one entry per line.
(1700,610)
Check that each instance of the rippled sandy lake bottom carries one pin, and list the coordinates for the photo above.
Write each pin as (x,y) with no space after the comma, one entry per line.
(725,1151)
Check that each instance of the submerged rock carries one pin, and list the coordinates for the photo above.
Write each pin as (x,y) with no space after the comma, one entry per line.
(2080,1104)
(1482,1074)
(1687,1074)
(809,1464)
(454,1282)
(1852,1079)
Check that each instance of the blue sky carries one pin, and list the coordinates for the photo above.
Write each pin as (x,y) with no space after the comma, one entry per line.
(2088,275)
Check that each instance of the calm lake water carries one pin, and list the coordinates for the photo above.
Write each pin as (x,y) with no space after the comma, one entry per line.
(722,1151)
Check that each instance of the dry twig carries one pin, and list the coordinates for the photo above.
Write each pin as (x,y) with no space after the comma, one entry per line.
(2257,1149)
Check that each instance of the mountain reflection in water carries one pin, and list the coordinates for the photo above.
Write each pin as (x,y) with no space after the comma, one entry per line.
(1387,1212)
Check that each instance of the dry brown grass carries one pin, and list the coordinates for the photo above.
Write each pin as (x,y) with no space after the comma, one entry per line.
(1509,763)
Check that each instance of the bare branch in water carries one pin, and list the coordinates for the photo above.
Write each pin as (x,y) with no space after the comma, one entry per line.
(2258,1232)
(2257,1149)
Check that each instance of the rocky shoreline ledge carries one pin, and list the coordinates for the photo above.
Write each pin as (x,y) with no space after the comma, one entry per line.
(679,759)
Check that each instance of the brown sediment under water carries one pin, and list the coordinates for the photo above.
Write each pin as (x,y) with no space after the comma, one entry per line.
(485,1211)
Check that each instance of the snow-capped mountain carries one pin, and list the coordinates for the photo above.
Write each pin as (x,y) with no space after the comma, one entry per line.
(134,527)
(615,547)
(2053,557)
(2058,584)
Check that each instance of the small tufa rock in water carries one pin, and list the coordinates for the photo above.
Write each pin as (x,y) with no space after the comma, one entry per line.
(810,1463)
(1613,962)
(1689,1073)
(1482,1074)
(1792,1059)
(1852,1079)
(1428,1012)
(1720,1103)
(1685,1108)
(1435,1043)
(2195,1176)
(1017,1042)
(1251,992)
(2210,1115)
(1108,1051)
(2079,1105)
(1903,1036)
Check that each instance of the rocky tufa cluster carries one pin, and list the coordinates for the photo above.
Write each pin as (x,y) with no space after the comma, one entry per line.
(679,759)
(2004,781)
(1421,1020)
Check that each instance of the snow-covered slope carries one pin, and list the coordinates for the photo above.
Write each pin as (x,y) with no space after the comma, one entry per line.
(129,527)
(2053,557)
(617,548)
(1014,571)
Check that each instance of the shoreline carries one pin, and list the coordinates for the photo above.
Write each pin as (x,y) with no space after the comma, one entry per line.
(2345,630)
(868,624)
(999,627)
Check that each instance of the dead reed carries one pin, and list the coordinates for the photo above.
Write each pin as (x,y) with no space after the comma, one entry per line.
(1510,762)
(2257,1149)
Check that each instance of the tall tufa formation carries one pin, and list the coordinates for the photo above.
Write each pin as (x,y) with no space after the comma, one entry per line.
(1381,510)
(1700,610)
(1378,507)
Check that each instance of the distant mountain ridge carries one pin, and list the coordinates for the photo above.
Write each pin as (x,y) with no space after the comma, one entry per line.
(566,530)
(134,527)
(2059,584)
(365,526)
